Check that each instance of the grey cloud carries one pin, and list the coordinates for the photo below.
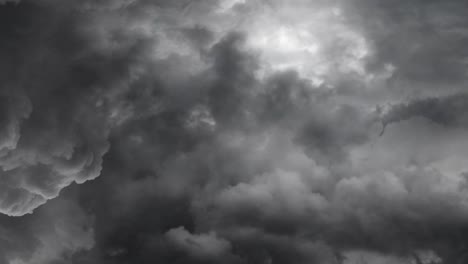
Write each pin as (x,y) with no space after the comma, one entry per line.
(450,111)
(328,135)
(46,147)
(200,155)
(423,40)
(66,92)
(200,246)
(51,235)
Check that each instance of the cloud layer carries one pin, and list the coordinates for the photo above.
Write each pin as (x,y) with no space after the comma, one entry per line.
(220,131)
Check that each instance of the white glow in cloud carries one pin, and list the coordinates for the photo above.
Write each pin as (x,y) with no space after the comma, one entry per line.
(315,41)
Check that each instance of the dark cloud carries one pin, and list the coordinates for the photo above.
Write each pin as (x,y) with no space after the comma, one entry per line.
(202,246)
(423,40)
(54,233)
(221,131)
(450,111)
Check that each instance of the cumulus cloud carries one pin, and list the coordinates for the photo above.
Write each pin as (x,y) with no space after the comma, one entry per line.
(51,235)
(47,112)
(200,246)
(448,111)
(232,132)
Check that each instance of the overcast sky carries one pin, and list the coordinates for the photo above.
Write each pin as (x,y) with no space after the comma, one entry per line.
(233,132)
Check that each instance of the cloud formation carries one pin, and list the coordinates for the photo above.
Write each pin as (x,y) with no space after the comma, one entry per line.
(213,131)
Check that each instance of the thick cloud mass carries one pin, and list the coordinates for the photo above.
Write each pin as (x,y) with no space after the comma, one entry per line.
(229,131)
(54,129)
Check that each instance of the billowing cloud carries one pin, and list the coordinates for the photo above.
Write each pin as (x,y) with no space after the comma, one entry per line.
(53,130)
(262,131)
(51,235)
(450,111)
(200,246)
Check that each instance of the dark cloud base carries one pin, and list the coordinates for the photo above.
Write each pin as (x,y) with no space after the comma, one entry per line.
(136,131)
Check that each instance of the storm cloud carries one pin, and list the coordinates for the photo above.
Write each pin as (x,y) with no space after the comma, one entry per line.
(228,131)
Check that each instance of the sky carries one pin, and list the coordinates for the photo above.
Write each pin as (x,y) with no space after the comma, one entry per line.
(233,132)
